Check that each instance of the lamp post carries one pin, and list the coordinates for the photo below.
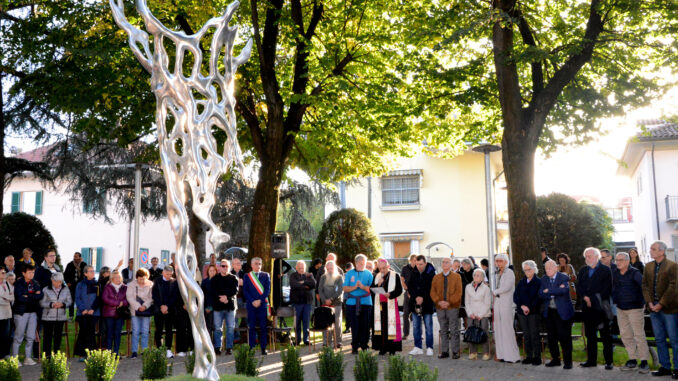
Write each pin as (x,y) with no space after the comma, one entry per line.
(486,149)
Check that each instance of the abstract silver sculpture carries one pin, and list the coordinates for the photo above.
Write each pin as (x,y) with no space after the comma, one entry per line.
(188,150)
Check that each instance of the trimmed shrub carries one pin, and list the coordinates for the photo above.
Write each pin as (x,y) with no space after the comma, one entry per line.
(246,362)
(330,365)
(395,367)
(418,371)
(54,368)
(101,365)
(19,231)
(292,369)
(190,362)
(9,369)
(154,363)
(366,367)
(347,232)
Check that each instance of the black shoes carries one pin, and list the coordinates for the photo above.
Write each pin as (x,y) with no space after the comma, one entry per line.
(455,356)
(630,365)
(587,365)
(609,366)
(567,366)
(443,355)
(354,351)
(674,376)
(527,360)
(643,367)
(536,361)
(552,363)
(264,352)
(229,351)
(217,351)
(662,372)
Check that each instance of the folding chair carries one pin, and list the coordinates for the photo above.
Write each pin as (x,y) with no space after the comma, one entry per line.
(282,313)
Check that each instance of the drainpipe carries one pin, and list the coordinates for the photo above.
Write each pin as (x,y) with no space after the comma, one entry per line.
(369,197)
(656,204)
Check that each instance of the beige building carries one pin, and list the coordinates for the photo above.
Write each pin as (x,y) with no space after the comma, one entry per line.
(433,206)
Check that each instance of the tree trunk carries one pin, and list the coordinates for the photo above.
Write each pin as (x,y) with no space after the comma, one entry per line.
(264,212)
(2,149)
(518,152)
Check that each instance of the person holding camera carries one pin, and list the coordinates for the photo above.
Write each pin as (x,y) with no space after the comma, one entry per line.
(421,304)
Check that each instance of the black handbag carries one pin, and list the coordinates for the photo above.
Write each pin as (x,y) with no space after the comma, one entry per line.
(475,335)
(123,313)
(146,312)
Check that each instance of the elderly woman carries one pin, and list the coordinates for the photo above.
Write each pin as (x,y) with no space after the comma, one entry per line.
(54,303)
(387,336)
(331,291)
(140,298)
(302,292)
(528,308)
(478,305)
(6,300)
(115,297)
(635,260)
(566,268)
(505,336)
(88,300)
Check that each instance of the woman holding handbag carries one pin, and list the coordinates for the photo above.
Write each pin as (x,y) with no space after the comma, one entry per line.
(478,305)
(115,310)
(140,299)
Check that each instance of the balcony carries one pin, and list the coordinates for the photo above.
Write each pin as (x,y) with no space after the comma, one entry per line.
(671,208)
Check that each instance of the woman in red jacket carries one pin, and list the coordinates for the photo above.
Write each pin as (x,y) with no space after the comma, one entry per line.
(114,297)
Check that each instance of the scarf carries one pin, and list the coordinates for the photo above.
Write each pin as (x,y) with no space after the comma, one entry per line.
(116,286)
(393,314)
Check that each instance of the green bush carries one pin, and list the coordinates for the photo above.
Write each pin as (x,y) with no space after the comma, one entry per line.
(9,369)
(190,362)
(418,371)
(19,231)
(246,362)
(395,367)
(101,365)
(330,365)
(366,367)
(54,368)
(154,363)
(292,369)
(347,232)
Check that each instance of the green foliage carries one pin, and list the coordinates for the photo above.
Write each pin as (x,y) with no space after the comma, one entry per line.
(347,232)
(566,226)
(190,362)
(292,369)
(330,365)
(54,368)
(154,363)
(246,362)
(224,377)
(366,367)
(399,369)
(9,369)
(101,365)
(19,231)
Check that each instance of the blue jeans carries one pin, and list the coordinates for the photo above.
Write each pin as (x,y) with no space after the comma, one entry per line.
(141,325)
(113,332)
(665,326)
(303,314)
(416,326)
(219,318)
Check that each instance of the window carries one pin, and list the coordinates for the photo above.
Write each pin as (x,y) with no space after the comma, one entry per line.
(400,190)
(619,215)
(27,202)
(164,258)
(639,184)
(93,256)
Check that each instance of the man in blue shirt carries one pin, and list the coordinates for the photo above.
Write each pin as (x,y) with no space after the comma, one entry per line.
(359,303)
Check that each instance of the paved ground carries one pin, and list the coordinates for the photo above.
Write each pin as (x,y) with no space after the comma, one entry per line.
(462,369)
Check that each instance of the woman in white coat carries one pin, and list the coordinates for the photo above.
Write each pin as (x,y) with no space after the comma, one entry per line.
(504,334)
(6,300)
(478,306)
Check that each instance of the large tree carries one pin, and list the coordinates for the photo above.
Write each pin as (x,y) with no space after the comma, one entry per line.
(540,74)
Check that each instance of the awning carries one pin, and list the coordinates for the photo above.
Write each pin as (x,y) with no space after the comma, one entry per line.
(409,236)
(405,172)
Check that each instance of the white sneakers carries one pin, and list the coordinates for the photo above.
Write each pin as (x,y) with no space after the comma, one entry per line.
(169,354)
(416,352)
(181,354)
(429,351)
(29,361)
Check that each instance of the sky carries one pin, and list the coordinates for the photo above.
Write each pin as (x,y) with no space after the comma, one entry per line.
(590,170)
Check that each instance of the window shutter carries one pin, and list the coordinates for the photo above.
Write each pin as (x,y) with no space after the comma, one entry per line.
(86,255)
(16,201)
(38,203)
(100,254)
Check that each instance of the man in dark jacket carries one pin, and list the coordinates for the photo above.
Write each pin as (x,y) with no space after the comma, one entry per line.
(659,292)
(421,305)
(405,275)
(27,297)
(594,287)
(74,273)
(43,273)
(155,272)
(558,313)
(302,291)
(224,289)
(627,293)
(165,294)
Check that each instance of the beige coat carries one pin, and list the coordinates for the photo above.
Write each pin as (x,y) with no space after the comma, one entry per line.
(6,300)
(478,301)
(144,293)
(504,310)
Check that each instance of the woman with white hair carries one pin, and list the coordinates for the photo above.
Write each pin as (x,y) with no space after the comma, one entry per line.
(528,308)
(6,300)
(478,305)
(54,303)
(331,292)
(505,336)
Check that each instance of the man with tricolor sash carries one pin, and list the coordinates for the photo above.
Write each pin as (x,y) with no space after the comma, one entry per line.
(256,288)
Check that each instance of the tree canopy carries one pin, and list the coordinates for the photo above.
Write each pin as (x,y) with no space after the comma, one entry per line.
(19,231)
(347,232)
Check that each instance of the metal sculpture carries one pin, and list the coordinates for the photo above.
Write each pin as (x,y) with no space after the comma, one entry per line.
(197,103)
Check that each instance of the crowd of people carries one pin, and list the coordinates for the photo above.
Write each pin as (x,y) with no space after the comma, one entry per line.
(367,295)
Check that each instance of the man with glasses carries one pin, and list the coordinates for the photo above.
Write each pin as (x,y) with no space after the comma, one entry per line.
(43,274)
(606,259)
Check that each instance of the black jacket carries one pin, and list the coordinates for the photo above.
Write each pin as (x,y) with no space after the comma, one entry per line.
(527,294)
(224,285)
(627,291)
(419,284)
(598,287)
(154,274)
(165,293)
(26,296)
(73,277)
(302,288)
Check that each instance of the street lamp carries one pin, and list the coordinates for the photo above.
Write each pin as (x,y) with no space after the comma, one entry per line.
(486,149)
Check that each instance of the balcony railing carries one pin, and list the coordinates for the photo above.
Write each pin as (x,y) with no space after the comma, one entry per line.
(671,208)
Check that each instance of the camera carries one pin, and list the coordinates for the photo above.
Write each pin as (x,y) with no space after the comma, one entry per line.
(418,309)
